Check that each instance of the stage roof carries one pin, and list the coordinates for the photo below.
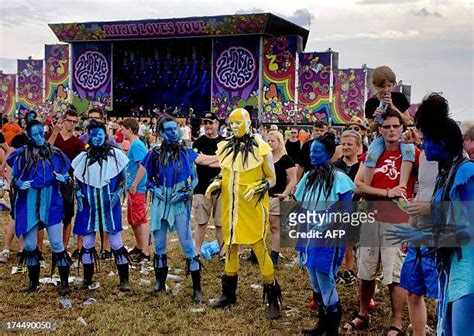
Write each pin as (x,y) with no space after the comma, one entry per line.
(203,26)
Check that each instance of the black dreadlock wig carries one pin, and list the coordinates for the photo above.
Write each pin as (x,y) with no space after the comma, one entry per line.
(98,154)
(32,154)
(322,176)
(432,118)
(167,152)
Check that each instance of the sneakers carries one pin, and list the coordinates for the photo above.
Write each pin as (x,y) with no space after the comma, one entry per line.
(106,255)
(4,256)
(346,278)
(143,258)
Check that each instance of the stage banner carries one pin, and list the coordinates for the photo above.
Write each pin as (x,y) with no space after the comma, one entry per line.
(30,85)
(7,93)
(279,79)
(91,76)
(348,95)
(57,76)
(314,73)
(235,74)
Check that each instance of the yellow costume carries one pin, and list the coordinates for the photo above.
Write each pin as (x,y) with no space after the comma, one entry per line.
(247,172)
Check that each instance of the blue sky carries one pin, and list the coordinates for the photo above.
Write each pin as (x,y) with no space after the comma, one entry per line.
(428,43)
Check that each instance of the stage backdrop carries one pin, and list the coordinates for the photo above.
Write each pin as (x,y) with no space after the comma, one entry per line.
(7,93)
(91,76)
(57,76)
(348,95)
(235,74)
(314,73)
(279,78)
(30,81)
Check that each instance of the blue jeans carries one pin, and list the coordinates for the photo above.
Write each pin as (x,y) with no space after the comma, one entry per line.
(377,147)
(325,284)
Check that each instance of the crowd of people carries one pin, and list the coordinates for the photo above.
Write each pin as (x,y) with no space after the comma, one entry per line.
(417,173)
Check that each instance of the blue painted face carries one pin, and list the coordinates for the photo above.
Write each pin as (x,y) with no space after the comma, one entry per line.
(36,135)
(435,150)
(97,137)
(319,155)
(170,132)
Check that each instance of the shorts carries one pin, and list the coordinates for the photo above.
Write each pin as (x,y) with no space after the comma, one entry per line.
(136,208)
(370,256)
(419,276)
(204,207)
(274,206)
(67,192)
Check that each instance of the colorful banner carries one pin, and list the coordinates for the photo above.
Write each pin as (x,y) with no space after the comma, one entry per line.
(235,74)
(7,94)
(314,74)
(279,77)
(164,28)
(57,76)
(348,95)
(30,81)
(91,76)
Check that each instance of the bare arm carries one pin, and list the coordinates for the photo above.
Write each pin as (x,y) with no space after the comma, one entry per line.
(291,176)
(269,169)
(208,160)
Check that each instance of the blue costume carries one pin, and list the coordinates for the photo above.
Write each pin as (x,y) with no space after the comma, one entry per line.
(37,171)
(171,176)
(100,175)
(319,191)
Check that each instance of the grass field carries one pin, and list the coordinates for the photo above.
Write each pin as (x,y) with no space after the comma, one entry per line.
(138,313)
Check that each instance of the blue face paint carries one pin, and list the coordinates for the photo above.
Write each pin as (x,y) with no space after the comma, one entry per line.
(36,134)
(435,150)
(170,132)
(319,155)
(97,137)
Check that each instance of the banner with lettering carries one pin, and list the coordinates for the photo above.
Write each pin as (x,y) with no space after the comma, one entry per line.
(57,76)
(348,95)
(314,74)
(7,93)
(235,75)
(279,79)
(30,85)
(91,76)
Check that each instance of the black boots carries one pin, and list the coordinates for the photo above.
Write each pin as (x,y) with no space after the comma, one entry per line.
(329,320)
(272,296)
(229,287)
(33,271)
(196,277)
(122,268)
(160,273)
(63,261)
(88,268)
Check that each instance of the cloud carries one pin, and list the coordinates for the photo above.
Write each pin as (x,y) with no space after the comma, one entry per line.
(302,16)
(386,34)
(384,2)
(425,13)
(250,11)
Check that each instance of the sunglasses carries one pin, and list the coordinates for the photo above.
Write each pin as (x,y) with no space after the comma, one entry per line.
(294,132)
(386,127)
(208,122)
(354,128)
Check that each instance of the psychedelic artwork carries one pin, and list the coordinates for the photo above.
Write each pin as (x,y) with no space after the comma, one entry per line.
(279,79)
(30,81)
(348,95)
(168,28)
(91,76)
(314,74)
(7,93)
(57,76)
(235,77)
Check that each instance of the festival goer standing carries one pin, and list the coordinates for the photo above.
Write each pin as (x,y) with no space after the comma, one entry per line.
(207,169)
(172,178)
(293,145)
(247,174)
(63,138)
(38,169)
(10,129)
(319,190)
(136,191)
(100,174)
(285,172)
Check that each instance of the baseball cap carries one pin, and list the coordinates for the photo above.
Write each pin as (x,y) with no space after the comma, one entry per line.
(210,116)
